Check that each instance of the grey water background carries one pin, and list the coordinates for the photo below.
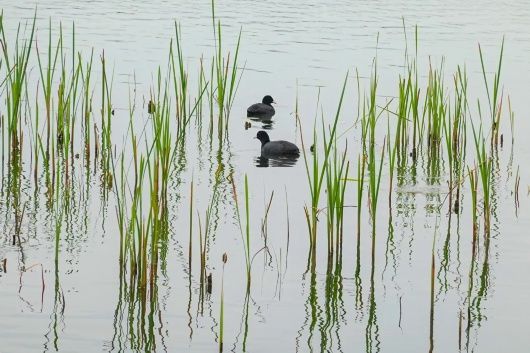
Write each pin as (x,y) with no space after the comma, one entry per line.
(288,49)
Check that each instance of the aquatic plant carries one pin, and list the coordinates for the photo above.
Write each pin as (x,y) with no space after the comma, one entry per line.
(315,176)
(484,166)
(336,181)
(47,74)
(16,66)
(473,180)
(374,172)
(430,128)
(225,75)
(494,100)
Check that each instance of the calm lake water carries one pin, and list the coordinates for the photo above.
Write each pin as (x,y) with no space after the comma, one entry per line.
(294,51)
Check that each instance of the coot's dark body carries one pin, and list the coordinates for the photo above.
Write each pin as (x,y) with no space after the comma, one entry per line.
(263,109)
(276,148)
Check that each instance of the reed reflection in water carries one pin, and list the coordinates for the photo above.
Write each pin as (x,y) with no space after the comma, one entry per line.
(263,161)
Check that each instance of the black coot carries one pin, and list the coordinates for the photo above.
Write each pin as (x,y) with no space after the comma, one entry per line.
(263,109)
(276,148)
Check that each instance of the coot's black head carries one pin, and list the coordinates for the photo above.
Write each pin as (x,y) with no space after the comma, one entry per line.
(263,137)
(267,100)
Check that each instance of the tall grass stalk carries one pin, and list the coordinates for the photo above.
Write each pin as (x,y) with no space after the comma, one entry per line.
(473,181)
(494,94)
(361,169)
(402,139)
(180,80)
(374,171)
(392,150)
(87,106)
(106,122)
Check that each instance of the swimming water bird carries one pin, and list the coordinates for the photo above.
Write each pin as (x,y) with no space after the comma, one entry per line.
(263,109)
(276,148)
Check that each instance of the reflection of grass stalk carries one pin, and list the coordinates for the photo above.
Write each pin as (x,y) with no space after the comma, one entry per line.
(431,312)
(516,190)
(190,246)
(203,241)
(204,280)
(222,314)
(246,235)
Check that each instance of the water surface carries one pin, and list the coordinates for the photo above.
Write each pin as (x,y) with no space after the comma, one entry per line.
(291,50)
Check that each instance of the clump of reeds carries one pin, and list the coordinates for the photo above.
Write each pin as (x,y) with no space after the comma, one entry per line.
(374,166)
(16,66)
(336,181)
(47,75)
(436,112)
(485,168)
(315,175)
(225,75)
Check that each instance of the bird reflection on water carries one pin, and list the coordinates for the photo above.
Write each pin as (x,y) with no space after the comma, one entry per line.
(267,123)
(275,161)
